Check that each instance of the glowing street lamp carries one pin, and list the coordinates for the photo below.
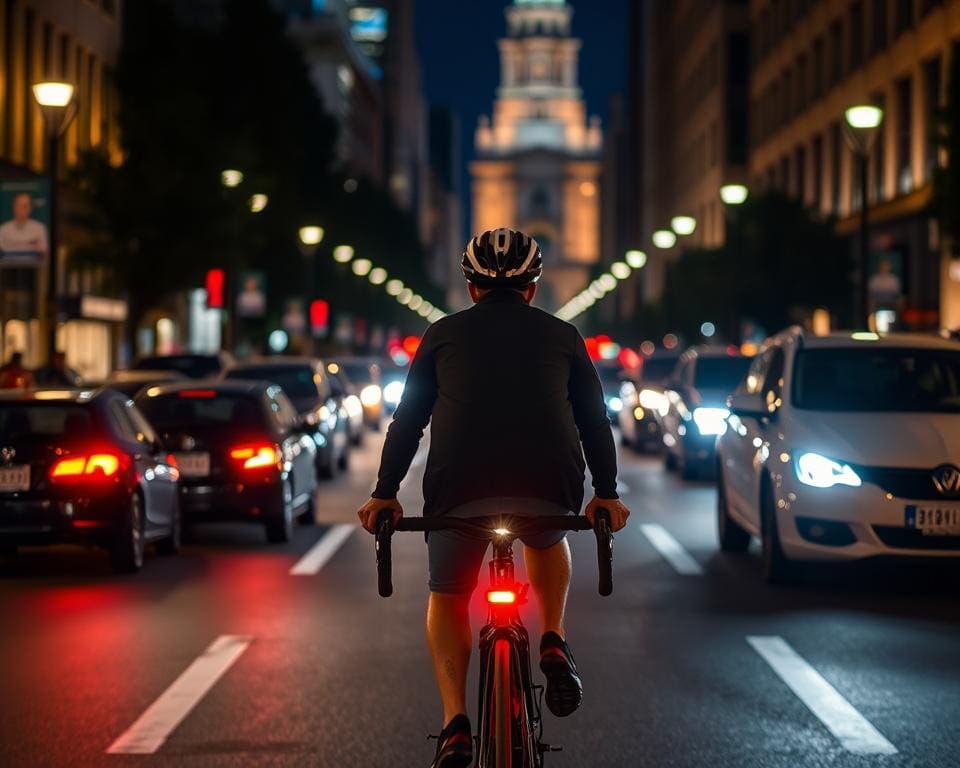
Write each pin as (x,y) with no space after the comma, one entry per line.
(309,235)
(394,287)
(734,194)
(683,225)
(664,239)
(343,253)
(378,276)
(620,270)
(415,302)
(607,281)
(231,178)
(58,108)
(405,296)
(258,202)
(361,267)
(636,259)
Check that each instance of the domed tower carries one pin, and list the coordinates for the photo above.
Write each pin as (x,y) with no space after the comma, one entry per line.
(537,164)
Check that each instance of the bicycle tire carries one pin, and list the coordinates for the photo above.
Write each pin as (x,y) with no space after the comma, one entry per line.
(384,554)
(604,555)
(502,706)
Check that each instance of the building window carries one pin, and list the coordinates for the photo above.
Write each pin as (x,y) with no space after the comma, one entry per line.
(904,136)
(878,162)
(800,164)
(856,35)
(836,52)
(904,18)
(817,172)
(878,26)
(931,83)
(738,95)
(818,68)
(836,147)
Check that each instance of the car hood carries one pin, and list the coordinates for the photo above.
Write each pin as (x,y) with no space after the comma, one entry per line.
(907,440)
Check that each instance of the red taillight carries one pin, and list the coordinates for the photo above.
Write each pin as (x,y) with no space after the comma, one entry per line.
(96,466)
(502,597)
(206,393)
(256,455)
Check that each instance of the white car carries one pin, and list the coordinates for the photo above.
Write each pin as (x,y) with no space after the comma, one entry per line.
(843,447)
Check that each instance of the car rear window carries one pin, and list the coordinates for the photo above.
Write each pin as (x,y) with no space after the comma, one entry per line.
(658,369)
(297,381)
(359,373)
(178,410)
(39,421)
(195,366)
(879,379)
(723,373)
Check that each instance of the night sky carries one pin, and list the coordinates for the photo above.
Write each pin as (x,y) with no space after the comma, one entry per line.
(461,67)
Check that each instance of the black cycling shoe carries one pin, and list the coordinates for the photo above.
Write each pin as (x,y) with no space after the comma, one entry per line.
(564,689)
(455,745)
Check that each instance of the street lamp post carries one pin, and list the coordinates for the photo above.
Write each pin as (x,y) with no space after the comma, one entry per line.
(310,238)
(861,124)
(58,108)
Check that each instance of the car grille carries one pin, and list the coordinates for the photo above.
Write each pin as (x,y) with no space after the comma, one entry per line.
(902,483)
(908,538)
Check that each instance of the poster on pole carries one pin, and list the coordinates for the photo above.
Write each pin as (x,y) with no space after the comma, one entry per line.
(252,299)
(24,222)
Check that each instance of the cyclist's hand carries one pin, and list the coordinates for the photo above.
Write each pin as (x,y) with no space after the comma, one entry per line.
(618,512)
(370,511)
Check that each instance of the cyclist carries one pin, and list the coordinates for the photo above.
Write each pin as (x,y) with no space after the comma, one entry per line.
(512,396)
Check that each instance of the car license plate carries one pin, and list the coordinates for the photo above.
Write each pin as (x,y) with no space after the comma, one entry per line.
(193,464)
(16,478)
(934,521)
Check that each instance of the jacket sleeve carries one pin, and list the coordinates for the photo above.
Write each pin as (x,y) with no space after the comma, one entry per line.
(590,414)
(409,420)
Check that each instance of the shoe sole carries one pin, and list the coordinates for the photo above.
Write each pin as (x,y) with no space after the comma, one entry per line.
(458,759)
(564,691)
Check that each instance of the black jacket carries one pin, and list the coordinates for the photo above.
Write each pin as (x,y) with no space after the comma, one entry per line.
(512,394)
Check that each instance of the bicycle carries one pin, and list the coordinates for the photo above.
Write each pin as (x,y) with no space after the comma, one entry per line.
(510,727)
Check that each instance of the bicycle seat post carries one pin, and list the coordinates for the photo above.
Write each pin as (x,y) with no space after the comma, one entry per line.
(501,565)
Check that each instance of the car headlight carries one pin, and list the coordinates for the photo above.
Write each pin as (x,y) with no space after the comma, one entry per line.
(370,395)
(711,421)
(615,404)
(352,403)
(654,401)
(821,472)
(393,392)
(324,413)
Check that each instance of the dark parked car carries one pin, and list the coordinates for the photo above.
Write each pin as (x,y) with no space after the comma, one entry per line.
(193,366)
(307,384)
(130,382)
(82,466)
(242,450)
(697,411)
(645,403)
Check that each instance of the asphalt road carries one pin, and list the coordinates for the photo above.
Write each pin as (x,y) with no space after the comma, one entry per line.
(223,657)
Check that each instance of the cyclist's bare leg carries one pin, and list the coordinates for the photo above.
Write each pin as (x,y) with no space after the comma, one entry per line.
(450,640)
(549,574)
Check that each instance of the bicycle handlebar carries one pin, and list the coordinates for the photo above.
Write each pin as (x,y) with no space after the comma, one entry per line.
(519,526)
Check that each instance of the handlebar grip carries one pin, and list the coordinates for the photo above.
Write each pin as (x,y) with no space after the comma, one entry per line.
(384,532)
(604,553)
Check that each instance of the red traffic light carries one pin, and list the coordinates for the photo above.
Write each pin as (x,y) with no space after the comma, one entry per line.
(319,317)
(410,345)
(216,281)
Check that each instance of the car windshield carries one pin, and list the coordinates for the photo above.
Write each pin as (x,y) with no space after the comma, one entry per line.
(184,410)
(878,379)
(723,373)
(41,421)
(658,368)
(296,381)
(195,366)
(609,375)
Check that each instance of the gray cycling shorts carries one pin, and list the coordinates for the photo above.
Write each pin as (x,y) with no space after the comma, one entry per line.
(455,557)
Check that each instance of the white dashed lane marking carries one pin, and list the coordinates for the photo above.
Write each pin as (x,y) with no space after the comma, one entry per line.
(671,550)
(160,719)
(318,555)
(852,729)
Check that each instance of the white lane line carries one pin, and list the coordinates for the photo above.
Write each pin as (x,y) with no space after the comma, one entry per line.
(160,719)
(852,729)
(318,555)
(681,560)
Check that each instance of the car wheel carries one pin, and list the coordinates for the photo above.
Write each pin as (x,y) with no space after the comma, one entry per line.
(357,438)
(343,463)
(670,461)
(309,514)
(733,538)
(689,471)
(126,549)
(171,544)
(776,568)
(328,469)
(280,523)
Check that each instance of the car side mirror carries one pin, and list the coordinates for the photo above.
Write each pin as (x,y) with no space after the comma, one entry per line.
(744,404)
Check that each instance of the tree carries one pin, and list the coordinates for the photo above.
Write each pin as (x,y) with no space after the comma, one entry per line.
(946,179)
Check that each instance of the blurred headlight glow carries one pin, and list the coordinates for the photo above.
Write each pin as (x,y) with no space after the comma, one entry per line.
(615,404)
(654,401)
(353,405)
(821,472)
(370,395)
(393,392)
(711,421)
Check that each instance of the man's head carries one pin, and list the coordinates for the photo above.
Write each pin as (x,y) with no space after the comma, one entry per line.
(22,207)
(502,259)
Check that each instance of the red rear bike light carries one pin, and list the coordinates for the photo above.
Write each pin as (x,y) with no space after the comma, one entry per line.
(256,455)
(96,466)
(193,393)
(501,597)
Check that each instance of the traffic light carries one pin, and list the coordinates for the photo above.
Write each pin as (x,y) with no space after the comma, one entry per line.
(216,281)
(319,317)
